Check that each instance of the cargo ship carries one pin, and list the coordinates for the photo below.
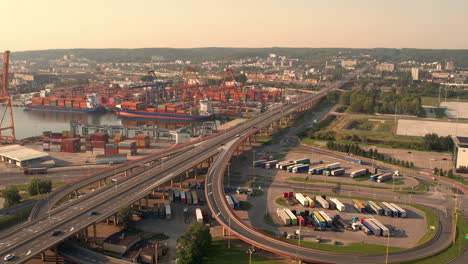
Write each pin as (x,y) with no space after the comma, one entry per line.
(85,104)
(164,111)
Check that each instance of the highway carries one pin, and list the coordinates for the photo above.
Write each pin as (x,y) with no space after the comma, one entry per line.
(36,236)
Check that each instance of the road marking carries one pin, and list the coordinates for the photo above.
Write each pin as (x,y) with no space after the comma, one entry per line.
(29,252)
(209,183)
(218,213)
(210,193)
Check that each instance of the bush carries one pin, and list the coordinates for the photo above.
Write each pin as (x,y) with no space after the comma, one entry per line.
(38,186)
(11,196)
(192,245)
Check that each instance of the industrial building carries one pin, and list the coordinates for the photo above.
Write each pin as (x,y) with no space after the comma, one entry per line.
(24,157)
(460,152)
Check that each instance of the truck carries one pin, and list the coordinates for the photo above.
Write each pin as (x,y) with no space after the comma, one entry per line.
(199,215)
(319,220)
(338,221)
(331,204)
(302,161)
(229,201)
(176,195)
(373,207)
(283,216)
(357,161)
(290,168)
(374,177)
(358,173)
(235,201)
(310,201)
(326,217)
(183,198)
(194,197)
(285,165)
(302,200)
(384,177)
(171,196)
(282,162)
(259,163)
(359,206)
(332,166)
(317,170)
(291,216)
(35,171)
(271,164)
(337,172)
(301,168)
(322,202)
(371,226)
(386,210)
(168,211)
(394,211)
(401,211)
(188,196)
(339,205)
(301,220)
(383,229)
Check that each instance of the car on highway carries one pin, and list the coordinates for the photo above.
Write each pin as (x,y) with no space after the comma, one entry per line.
(9,257)
(93,213)
(56,233)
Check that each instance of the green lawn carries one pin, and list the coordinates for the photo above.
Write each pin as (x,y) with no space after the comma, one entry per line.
(15,218)
(218,252)
(269,232)
(281,201)
(363,248)
(397,182)
(453,250)
(267,219)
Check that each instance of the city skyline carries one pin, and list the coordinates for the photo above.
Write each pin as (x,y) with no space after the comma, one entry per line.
(31,25)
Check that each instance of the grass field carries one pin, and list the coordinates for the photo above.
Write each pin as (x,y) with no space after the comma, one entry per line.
(218,252)
(342,183)
(267,219)
(453,250)
(363,248)
(397,182)
(245,206)
(23,189)
(281,201)
(14,218)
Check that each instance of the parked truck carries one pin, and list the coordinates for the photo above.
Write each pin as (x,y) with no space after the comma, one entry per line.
(373,207)
(322,202)
(392,209)
(383,229)
(282,162)
(371,226)
(177,195)
(286,165)
(357,161)
(259,163)
(183,198)
(302,200)
(188,196)
(339,222)
(235,202)
(384,177)
(194,197)
(283,216)
(359,206)
(290,168)
(302,161)
(333,166)
(168,211)
(337,172)
(301,168)
(171,196)
(339,205)
(270,164)
(317,170)
(374,177)
(291,216)
(199,215)
(401,211)
(358,173)
(319,220)
(326,217)
(310,201)
(229,201)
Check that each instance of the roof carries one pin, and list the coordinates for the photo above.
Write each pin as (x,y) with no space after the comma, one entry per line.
(20,153)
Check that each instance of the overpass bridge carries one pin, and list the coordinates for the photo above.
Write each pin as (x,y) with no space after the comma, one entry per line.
(74,218)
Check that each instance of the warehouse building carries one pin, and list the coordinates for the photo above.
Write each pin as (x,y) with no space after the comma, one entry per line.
(24,157)
(460,153)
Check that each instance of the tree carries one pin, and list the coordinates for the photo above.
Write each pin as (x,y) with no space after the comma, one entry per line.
(11,196)
(147,78)
(126,216)
(242,78)
(192,245)
(38,186)
(450,173)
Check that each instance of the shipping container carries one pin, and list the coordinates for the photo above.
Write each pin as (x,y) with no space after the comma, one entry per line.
(358,173)
(384,177)
(291,216)
(290,168)
(320,200)
(337,172)
(319,220)
(310,201)
(373,207)
(326,217)
(302,200)
(317,170)
(188,197)
(171,195)
(401,211)
(235,201)
(389,206)
(286,165)
(371,226)
(283,216)
(332,166)
(302,161)
(183,198)
(383,229)
(339,205)
(199,215)
(357,161)
(281,163)
(301,168)
(385,210)
(359,206)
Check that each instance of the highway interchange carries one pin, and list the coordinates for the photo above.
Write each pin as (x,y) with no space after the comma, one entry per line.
(35,236)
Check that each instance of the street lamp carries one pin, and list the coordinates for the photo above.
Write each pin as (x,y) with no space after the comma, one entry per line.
(250,251)
(115,180)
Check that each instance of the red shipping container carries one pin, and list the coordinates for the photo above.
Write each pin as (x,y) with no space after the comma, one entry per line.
(98,144)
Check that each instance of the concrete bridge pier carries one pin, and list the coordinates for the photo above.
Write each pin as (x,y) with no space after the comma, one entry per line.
(94,234)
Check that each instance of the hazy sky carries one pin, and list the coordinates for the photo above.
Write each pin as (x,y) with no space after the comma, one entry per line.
(53,24)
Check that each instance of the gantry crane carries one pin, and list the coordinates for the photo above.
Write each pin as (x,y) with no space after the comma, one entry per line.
(8,111)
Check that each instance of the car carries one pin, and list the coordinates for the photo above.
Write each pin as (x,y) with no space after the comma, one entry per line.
(9,257)
(93,213)
(444,159)
(56,233)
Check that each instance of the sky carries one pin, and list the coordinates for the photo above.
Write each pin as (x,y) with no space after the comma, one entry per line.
(63,24)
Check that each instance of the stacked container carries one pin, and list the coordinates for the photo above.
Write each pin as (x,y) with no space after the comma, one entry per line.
(56,142)
(98,147)
(68,134)
(128,147)
(111,149)
(46,144)
(71,145)
(142,141)
(118,138)
(100,137)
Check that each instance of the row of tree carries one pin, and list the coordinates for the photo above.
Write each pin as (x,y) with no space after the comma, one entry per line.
(12,196)
(193,244)
(445,173)
(433,141)
(355,149)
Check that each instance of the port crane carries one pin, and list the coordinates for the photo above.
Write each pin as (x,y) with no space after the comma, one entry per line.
(6,100)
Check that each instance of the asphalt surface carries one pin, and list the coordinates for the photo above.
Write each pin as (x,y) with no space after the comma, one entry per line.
(36,236)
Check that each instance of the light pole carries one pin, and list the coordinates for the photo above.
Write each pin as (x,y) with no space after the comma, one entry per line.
(250,251)
(115,180)
(229,173)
